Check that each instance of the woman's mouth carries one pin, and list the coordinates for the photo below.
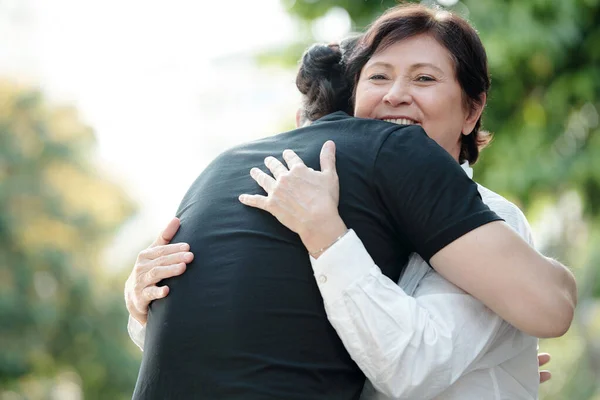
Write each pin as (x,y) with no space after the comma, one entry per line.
(401,121)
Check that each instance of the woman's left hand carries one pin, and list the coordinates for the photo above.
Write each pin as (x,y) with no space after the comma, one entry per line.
(160,261)
(302,199)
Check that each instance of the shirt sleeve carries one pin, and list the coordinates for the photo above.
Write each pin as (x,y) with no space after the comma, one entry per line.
(137,332)
(408,347)
(513,216)
(430,199)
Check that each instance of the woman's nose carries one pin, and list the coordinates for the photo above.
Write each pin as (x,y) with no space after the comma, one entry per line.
(397,95)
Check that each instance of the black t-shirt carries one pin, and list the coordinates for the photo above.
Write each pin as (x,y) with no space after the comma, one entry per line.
(246,320)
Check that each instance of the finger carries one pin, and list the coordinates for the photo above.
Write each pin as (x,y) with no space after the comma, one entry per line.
(328,157)
(545,376)
(153,253)
(171,259)
(264,181)
(159,273)
(254,200)
(275,166)
(167,234)
(543,358)
(153,293)
(291,158)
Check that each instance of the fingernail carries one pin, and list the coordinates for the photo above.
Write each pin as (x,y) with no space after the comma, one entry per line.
(184,247)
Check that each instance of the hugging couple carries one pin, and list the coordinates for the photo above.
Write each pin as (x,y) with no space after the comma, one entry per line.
(366,264)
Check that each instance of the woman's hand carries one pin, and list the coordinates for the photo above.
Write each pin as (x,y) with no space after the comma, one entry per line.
(159,261)
(302,199)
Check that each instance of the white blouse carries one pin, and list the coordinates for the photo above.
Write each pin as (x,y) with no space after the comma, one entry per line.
(424,338)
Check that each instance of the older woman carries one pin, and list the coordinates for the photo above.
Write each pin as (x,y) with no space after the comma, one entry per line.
(411,349)
(443,91)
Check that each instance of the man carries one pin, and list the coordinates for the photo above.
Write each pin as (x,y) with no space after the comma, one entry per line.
(247,321)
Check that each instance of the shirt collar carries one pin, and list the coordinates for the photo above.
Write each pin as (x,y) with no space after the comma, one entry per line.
(467,168)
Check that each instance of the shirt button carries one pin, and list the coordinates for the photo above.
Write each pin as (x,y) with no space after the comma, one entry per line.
(322,279)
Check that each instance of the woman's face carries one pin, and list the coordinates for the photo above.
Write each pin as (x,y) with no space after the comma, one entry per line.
(413,82)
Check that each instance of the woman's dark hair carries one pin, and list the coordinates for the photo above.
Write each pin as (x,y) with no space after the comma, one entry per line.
(322,79)
(451,31)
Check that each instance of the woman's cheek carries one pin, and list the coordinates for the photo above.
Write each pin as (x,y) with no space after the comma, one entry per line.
(367,99)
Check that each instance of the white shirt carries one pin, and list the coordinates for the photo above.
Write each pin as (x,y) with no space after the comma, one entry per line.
(439,344)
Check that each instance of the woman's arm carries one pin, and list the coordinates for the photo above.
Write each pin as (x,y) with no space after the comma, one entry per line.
(137,332)
(535,294)
(403,344)
(159,261)
(408,348)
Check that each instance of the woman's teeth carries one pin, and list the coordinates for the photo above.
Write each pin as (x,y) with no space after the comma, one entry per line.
(401,121)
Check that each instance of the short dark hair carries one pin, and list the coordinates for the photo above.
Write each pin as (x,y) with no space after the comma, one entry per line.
(451,31)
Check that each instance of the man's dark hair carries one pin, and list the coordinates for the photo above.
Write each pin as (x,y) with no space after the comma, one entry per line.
(323,81)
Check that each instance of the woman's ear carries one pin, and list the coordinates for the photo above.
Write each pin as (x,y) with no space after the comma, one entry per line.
(475,111)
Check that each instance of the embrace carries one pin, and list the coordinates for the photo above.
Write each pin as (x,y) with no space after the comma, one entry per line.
(358,260)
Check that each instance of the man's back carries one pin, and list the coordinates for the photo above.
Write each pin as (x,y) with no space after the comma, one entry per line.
(247,321)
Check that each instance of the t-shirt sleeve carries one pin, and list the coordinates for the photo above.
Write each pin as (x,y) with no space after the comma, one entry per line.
(431,200)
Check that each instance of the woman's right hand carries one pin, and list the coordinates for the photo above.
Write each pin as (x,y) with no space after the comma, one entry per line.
(159,261)
(302,199)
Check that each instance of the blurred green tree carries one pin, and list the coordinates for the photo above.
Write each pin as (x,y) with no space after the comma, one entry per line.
(543,109)
(62,326)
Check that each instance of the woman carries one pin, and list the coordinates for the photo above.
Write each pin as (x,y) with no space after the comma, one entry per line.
(395,79)
(384,67)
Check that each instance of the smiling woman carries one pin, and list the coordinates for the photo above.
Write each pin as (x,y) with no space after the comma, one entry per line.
(417,87)
(417,66)
(444,87)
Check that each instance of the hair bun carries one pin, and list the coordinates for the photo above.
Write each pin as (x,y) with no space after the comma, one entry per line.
(322,81)
(319,63)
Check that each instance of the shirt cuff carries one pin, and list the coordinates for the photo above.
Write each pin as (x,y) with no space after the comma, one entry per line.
(341,265)
(137,332)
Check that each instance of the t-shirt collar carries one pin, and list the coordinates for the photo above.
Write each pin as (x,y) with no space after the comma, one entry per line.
(467,168)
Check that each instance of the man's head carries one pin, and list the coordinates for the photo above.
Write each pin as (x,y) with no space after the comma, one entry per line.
(323,81)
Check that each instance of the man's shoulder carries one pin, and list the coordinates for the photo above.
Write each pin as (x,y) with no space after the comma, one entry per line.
(361,134)
(356,127)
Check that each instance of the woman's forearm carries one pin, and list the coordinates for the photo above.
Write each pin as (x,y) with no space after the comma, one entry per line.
(401,343)
(535,294)
(137,332)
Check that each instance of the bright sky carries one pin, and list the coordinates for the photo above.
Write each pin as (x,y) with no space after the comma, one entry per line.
(166,85)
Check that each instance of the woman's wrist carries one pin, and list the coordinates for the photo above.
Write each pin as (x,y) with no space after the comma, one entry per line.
(317,253)
(322,235)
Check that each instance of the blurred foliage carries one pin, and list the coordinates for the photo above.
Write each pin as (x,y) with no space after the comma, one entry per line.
(543,109)
(62,330)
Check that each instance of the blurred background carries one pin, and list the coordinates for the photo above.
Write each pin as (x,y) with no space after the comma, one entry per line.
(101,101)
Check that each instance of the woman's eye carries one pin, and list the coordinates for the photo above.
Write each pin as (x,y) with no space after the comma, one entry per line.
(425,78)
(377,77)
